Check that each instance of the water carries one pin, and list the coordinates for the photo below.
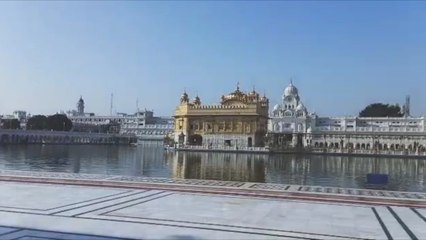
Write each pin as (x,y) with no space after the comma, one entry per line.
(151,160)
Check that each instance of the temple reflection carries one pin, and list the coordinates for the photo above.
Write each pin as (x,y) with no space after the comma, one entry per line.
(219,166)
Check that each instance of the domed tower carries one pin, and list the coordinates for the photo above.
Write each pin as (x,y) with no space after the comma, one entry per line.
(184,98)
(276,110)
(197,101)
(290,97)
(301,110)
(80,106)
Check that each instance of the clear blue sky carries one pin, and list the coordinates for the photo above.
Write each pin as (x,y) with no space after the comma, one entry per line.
(341,55)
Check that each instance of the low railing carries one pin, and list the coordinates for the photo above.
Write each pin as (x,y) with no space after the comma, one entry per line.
(370,129)
(224,148)
(368,151)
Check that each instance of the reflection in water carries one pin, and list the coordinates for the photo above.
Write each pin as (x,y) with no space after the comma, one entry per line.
(404,174)
(151,160)
(219,166)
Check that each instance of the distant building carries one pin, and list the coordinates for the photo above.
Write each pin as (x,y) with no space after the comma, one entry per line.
(240,120)
(20,115)
(142,123)
(80,110)
(80,106)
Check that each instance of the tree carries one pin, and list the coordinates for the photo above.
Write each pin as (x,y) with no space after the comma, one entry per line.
(59,122)
(381,110)
(37,122)
(10,124)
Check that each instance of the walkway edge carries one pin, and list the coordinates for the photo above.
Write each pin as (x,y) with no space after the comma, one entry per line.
(304,196)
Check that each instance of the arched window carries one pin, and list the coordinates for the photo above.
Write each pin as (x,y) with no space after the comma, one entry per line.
(276,127)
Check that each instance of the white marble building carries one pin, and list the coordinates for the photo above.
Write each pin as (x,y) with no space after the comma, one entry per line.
(290,122)
(291,125)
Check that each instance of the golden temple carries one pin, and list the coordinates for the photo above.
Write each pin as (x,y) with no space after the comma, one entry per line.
(240,120)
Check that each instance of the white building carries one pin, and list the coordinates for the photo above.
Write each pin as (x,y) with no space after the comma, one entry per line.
(291,125)
(143,123)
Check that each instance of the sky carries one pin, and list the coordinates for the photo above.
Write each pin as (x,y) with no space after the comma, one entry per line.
(341,55)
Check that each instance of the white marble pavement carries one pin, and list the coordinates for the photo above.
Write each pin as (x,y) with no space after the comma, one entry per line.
(47,211)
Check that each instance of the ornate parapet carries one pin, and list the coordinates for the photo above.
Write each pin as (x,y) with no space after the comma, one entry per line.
(217,106)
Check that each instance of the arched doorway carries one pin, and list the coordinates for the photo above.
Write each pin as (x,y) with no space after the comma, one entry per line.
(249,142)
(196,140)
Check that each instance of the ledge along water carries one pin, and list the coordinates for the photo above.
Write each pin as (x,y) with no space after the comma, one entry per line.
(318,151)
(19,136)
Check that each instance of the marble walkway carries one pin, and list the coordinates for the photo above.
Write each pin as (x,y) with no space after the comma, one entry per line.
(51,206)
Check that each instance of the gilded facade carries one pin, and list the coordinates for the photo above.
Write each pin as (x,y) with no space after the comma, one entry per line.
(240,120)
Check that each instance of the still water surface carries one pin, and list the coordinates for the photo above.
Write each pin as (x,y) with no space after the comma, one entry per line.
(151,160)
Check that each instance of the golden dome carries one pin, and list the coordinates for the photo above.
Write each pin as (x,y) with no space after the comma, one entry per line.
(235,96)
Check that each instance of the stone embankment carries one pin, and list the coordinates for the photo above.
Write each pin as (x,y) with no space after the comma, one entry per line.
(354,152)
(62,137)
(318,151)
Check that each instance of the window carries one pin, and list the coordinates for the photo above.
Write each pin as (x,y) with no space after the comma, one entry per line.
(227,126)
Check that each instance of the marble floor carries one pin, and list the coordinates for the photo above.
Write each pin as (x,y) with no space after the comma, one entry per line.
(49,211)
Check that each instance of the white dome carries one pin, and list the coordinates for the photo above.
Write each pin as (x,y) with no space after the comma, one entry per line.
(277,107)
(290,90)
(300,107)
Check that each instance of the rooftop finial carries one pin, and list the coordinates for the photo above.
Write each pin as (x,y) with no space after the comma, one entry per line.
(238,85)
(291,81)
